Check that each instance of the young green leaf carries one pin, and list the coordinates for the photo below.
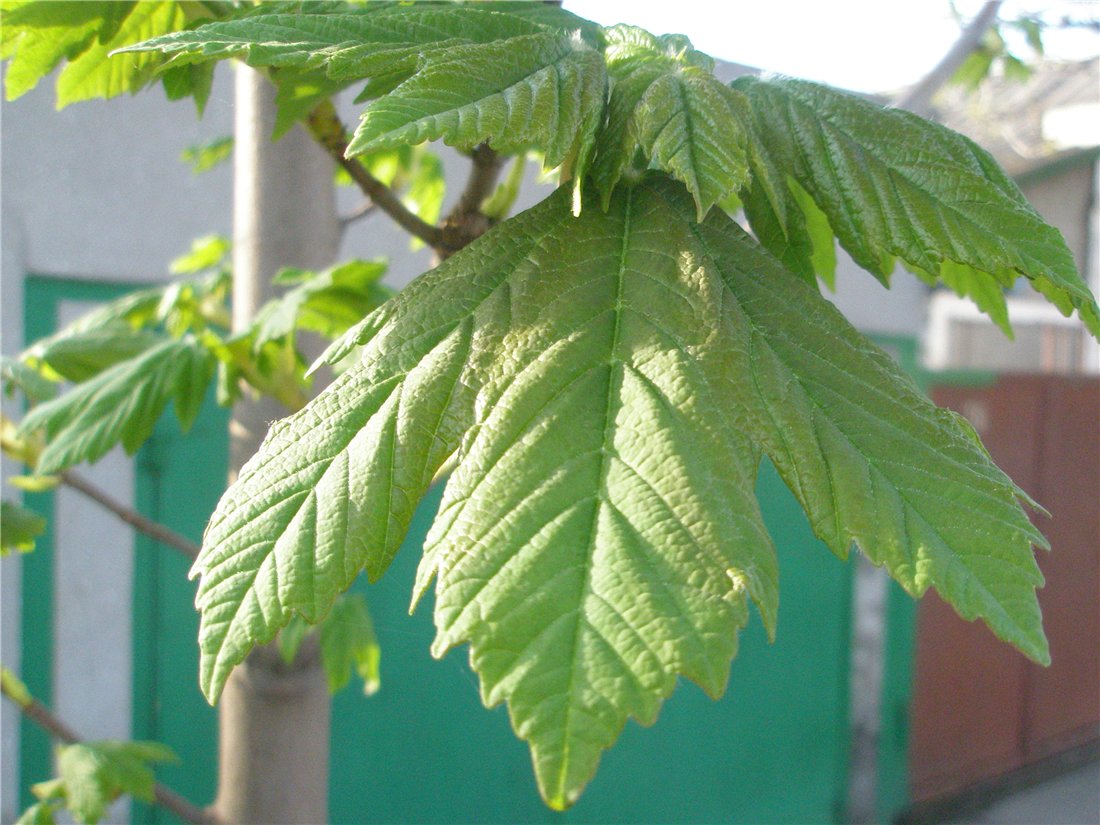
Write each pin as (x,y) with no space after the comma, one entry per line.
(40,813)
(427,189)
(326,302)
(37,36)
(121,404)
(348,645)
(464,75)
(323,48)
(19,527)
(14,688)
(94,774)
(667,106)
(894,185)
(871,460)
(82,354)
(93,75)
(334,487)
(377,39)
(606,384)
(17,375)
(206,252)
(543,91)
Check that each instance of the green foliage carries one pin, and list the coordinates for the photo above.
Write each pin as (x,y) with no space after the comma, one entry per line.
(348,644)
(18,528)
(40,813)
(437,71)
(605,443)
(92,775)
(122,404)
(207,252)
(128,327)
(16,375)
(206,156)
(38,36)
(893,185)
(78,357)
(667,107)
(603,384)
(132,356)
(412,171)
(327,302)
(499,204)
(994,50)
(551,96)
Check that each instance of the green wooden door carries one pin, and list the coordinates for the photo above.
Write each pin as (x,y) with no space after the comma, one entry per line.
(178,483)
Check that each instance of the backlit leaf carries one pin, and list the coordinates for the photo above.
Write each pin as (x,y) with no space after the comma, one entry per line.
(94,774)
(93,75)
(667,105)
(38,36)
(894,185)
(606,384)
(19,527)
(121,404)
(466,75)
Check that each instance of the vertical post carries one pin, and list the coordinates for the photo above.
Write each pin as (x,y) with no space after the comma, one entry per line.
(274,718)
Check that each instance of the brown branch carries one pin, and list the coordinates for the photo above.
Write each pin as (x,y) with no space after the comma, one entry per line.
(56,728)
(466,223)
(150,528)
(327,130)
(361,211)
(919,98)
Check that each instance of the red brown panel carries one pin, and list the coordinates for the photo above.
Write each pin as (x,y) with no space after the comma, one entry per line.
(980,708)
(1063,701)
(968,696)
(968,702)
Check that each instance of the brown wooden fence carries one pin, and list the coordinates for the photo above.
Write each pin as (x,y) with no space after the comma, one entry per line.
(980,709)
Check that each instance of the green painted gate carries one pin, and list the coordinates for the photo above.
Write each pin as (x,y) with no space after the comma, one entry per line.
(774,749)
(177,480)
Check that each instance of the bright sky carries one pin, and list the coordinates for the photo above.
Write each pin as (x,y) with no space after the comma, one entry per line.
(862,45)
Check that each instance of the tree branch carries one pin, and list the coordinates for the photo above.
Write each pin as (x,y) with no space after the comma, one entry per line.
(361,211)
(56,728)
(326,129)
(919,99)
(150,528)
(466,222)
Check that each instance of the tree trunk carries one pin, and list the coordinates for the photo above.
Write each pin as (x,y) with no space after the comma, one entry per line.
(274,718)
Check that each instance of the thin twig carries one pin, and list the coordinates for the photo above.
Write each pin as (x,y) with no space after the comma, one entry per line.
(466,222)
(139,522)
(483,177)
(359,212)
(327,130)
(55,727)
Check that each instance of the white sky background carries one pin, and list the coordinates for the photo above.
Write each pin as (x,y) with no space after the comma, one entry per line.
(861,45)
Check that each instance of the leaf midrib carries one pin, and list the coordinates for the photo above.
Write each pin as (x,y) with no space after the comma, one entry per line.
(614,388)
